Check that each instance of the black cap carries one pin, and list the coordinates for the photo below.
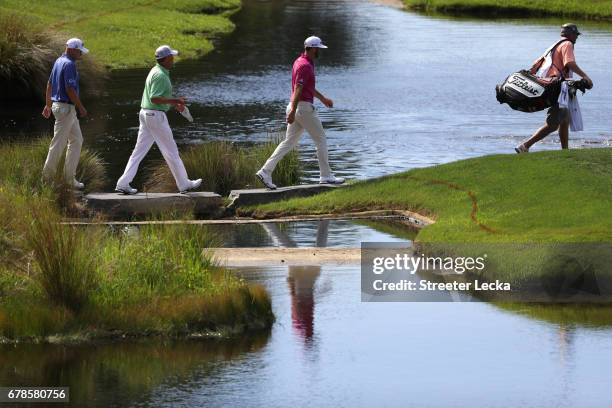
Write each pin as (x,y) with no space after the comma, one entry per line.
(569,28)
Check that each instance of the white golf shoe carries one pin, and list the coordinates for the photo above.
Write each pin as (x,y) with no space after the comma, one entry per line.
(266,179)
(193,185)
(331,180)
(127,189)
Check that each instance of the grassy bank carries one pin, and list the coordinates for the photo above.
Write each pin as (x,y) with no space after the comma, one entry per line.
(501,201)
(119,35)
(57,280)
(588,9)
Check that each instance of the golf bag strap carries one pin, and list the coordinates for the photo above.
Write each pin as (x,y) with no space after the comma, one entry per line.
(552,54)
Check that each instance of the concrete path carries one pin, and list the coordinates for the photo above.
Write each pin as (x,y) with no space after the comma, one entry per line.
(241,198)
(313,256)
(115,204)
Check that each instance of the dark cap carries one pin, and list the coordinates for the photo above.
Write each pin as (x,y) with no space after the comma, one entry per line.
(569,28)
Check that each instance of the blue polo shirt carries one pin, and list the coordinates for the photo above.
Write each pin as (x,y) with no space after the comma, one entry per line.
(64,74)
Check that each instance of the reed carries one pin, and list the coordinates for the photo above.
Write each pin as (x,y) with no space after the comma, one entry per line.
(224,167)
(27,53)
(66,264)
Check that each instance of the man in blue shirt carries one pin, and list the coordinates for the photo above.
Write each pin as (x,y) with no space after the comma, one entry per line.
(62,99)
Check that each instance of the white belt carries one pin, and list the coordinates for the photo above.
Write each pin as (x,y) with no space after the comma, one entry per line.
(153,111)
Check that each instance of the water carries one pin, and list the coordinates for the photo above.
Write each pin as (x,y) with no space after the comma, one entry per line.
(409,90)
(329,349)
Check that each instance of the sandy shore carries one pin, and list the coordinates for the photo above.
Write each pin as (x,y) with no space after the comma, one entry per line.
(390,3)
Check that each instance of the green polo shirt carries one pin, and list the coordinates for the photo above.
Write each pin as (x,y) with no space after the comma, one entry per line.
(157,84)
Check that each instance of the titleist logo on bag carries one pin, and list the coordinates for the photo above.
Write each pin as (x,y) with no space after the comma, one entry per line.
(524,85)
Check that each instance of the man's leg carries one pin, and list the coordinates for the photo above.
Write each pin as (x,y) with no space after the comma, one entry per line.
(73,153)
(564,135)
(564,128)
(61,130)
(292,136)
(553,119)
(162,134)
(143,145)
(314,127)
(540,134)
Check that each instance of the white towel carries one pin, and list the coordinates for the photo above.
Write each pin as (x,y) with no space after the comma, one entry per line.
(545,67)
(576,124)
(570,102)
(563,96)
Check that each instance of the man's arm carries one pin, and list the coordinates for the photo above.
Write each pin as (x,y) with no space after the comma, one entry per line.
(575,68)
(47,109)
(326,101)
(74,98)
(160,100)
(297,93)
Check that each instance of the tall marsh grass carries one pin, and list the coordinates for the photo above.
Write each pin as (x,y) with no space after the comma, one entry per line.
(27,53)
(21,166)
(223,167)
(67,268)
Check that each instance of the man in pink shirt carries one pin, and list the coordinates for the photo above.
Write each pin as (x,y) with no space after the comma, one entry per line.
(562,63)
(301,115)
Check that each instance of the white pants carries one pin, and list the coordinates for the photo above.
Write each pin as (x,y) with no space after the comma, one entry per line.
(154,128)
(305,119)
(66,131)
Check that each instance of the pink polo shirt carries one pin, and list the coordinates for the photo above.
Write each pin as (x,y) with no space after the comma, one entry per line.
(303,73)
(563,55)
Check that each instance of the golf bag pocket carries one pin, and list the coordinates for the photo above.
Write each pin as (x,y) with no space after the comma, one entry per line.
(525,92)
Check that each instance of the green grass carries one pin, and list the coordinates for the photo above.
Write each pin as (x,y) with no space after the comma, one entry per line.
(224,167)
(493,202)
(61,280)
(125,34)
(588,9)
(22,162)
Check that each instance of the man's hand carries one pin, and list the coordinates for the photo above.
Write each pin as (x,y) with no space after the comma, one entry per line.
(291,116)
(589,82)
(82,111)
(328,102)
(46,112)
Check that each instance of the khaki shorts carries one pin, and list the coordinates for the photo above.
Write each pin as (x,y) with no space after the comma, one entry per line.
(555,116)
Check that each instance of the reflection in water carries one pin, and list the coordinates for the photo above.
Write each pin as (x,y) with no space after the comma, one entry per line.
(357,355)
(120,374)
(301,280)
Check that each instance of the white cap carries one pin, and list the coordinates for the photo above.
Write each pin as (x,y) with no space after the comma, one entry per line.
(76,44)
(164,51)
(313,42)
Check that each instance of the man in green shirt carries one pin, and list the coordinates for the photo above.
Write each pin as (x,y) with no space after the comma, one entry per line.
(154,128)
